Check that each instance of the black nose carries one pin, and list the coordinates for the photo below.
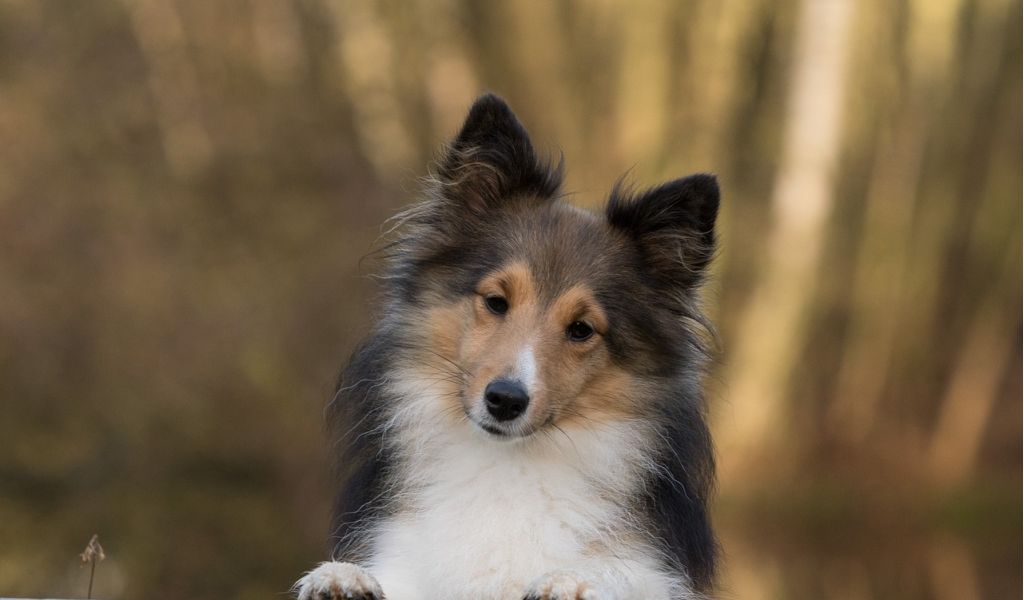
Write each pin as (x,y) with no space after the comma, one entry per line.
(505,399)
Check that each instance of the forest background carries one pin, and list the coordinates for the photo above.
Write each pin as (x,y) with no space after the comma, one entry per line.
(187,189)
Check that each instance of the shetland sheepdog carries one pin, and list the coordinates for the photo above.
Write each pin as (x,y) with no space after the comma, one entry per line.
(526,419)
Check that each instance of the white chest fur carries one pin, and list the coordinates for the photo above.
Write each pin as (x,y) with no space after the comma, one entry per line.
(481,519)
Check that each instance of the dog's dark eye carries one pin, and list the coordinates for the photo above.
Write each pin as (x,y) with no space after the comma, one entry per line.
(496,304)
(579,331)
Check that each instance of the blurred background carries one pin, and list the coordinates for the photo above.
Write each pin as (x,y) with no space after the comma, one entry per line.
(187,189)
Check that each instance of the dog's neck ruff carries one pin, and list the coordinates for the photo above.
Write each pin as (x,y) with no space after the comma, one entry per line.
(481,517)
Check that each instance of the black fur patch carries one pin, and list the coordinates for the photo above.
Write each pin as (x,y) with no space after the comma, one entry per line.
(362,463)
(676,501)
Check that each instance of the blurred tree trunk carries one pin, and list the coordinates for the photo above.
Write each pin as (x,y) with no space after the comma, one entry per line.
(879,289)
(367,54)
(173,85)
(972,393)
(772,325)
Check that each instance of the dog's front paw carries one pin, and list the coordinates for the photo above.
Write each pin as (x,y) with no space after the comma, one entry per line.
(562,585)
(338,581)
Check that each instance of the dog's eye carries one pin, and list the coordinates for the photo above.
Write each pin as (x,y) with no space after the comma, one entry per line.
(496,304)
(579,331)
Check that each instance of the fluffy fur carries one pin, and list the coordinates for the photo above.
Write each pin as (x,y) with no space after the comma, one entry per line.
(600,488)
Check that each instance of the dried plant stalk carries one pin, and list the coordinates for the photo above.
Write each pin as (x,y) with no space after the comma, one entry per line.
(92,554)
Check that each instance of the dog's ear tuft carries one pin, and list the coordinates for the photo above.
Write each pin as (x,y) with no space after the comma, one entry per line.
(673,226)
(492,160)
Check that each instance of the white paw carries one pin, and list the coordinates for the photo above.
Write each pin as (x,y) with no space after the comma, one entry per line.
(338,581)
(562,585)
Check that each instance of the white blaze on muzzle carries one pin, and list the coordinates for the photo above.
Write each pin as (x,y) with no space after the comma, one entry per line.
(525,369)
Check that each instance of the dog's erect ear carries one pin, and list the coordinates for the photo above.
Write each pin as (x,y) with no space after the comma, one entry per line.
(673,226)
(492,160)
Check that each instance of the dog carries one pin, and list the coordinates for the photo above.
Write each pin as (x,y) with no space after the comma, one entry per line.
(526,419)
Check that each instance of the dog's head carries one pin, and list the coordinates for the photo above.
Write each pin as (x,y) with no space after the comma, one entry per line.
(524,312)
